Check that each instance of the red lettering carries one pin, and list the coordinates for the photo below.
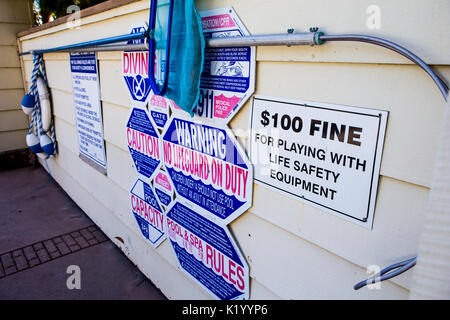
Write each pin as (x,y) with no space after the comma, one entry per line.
(231,270)
(240,274)
(126,62)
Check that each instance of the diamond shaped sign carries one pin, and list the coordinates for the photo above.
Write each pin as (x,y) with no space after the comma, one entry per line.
(147,212)
(164,190)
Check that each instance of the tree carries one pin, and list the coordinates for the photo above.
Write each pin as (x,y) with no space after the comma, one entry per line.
(58,8)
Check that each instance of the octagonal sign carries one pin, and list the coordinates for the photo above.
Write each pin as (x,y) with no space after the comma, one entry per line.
(147,212)
(143,143)
(207,253)
(159,109)
(164,190)
(208,168)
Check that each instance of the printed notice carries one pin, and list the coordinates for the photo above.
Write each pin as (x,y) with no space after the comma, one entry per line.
(88,113)
(325,155)
(228,75)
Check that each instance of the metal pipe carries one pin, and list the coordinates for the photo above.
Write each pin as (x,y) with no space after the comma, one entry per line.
(286,39)
(113,47)
(394,47)
(289,39)
(90,44)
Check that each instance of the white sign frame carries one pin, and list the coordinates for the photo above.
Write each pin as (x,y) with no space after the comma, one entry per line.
(271,180)
(92,89)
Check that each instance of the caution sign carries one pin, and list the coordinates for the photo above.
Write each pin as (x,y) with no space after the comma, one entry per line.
(208,168)
(325,155)
(207,253)
(147,212)
(143,143)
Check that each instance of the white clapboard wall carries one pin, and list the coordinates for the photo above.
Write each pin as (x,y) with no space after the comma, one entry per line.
(294,251)
(15,16)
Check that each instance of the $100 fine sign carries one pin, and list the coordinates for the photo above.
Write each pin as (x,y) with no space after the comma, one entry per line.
(325,155)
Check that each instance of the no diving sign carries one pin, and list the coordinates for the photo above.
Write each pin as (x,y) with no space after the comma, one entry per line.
(325,155)
(135,75)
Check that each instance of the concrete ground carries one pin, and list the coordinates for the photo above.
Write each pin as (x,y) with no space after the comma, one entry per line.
(43,232)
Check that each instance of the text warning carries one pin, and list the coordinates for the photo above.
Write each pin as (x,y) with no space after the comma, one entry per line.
(325,155)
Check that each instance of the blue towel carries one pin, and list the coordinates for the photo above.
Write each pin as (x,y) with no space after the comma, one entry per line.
(187,46)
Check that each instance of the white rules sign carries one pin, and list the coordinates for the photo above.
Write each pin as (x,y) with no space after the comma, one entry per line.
(327,156)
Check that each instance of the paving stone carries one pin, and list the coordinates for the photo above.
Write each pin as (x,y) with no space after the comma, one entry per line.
(50,246)
(99,236)
(38,246)
(92,228)
(75,234)
(93,241)
(17,253)
(43,256)
(55,254)
(34,262)
(63,248)
(29,253)
(86,234)
(82,242)
(68,240)
(21,262)
(2,272)
(7,260)
(74,248)
(10,270)
(57,240)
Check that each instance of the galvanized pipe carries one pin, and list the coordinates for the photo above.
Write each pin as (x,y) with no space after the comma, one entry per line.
(286,39)
(90,44)
(114,47)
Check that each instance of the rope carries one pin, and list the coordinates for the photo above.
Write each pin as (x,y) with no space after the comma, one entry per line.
(36,116)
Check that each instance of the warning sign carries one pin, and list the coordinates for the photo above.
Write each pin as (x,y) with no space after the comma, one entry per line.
(325,155)
(208,168)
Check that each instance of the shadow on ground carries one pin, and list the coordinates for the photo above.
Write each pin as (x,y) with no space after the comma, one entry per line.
(43,232)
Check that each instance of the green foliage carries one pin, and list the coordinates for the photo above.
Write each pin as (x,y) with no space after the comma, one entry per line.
(59,8)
